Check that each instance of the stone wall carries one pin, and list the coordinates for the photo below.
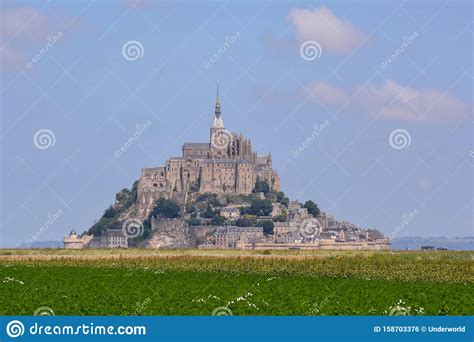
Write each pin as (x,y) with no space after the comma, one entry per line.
(171,233)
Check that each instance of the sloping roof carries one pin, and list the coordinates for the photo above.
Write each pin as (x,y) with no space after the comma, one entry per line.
(73,232)
(230,209)
(226,161)
(235,229)
(262,159)
(196,145)
(113,233)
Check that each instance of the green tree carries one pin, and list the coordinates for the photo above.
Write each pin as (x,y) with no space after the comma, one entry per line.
(312,208)
(209,213)
(280,218)
(261,186)
(218,220)
(110,212)
(244,222)
(166,208)
(193,221)
(281,197)
(260,207)
(267,226)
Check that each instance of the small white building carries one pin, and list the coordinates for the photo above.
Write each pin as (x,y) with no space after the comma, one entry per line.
(230,213)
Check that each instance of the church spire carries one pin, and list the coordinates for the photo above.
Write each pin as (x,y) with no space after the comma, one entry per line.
(218,122)
(218,103)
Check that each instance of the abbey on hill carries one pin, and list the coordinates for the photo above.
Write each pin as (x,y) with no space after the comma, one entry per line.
(225,164)
(218,194)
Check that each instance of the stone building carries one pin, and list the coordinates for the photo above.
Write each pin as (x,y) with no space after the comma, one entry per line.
(232,237)
(225,164)
(75,241)
(110,238)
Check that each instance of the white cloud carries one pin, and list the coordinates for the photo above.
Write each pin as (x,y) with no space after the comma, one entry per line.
(327,94)
(11,57)
(26,23)
(331,32)
(394,101)
(21,28)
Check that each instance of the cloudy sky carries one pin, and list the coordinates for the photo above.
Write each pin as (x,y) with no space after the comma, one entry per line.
(366,107)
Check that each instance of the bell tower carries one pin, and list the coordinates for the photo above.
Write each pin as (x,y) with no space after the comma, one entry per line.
(220,138)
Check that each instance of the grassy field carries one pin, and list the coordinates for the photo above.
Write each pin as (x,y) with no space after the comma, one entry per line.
(196,282)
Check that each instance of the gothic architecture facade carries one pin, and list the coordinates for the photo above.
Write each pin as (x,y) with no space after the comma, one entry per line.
(225,164)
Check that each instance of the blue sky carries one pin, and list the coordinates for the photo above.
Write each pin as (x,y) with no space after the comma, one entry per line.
(378,70)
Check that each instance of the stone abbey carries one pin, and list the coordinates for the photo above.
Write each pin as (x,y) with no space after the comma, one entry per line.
(225,164)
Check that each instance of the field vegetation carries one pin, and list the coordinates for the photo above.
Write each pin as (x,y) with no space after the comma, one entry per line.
(196,282)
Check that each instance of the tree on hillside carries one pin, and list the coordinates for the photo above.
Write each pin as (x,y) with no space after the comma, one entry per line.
(243,222)
(261,186)
(260,207)
(267,226)
(218,220)
(312,208)
(209,213)
(166,208)
(110,212)
(281,197)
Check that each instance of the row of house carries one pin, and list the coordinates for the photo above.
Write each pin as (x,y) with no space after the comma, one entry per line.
(110,238)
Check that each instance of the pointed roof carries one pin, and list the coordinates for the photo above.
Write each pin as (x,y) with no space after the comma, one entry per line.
(218,102)
(73,232)
(218,122)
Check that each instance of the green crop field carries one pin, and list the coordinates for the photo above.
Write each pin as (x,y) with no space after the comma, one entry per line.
(191,282)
